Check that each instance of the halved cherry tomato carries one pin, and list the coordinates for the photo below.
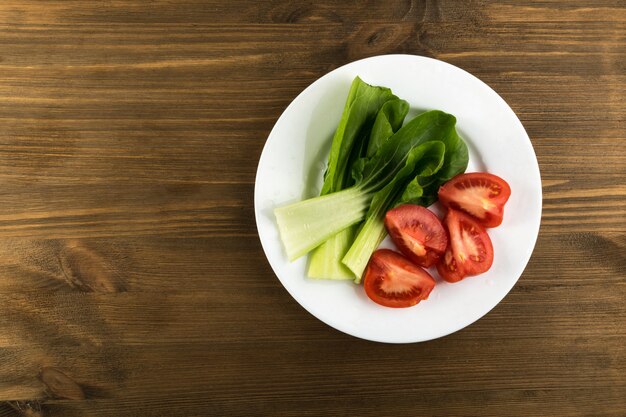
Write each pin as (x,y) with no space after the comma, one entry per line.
(479,194)
(470,251)
(392,280)
(417,233)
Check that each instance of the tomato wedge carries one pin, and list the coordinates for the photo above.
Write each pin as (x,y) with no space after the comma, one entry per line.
(470,251)
(479,194)
(417,233)
(392,280)
(449,269)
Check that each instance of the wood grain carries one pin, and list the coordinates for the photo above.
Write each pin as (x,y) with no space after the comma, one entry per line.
(132,281)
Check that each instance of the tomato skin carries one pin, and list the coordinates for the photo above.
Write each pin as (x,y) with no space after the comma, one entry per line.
(479,194)
(470,251)
(391,280)
(417,233)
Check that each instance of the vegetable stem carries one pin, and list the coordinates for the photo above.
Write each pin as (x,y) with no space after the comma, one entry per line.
(325,260)
(307,224)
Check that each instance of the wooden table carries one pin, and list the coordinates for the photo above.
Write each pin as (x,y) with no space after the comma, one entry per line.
(132,280)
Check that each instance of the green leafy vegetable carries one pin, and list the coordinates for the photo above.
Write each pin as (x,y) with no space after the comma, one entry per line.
(374,165)
(388,120)
(361,108)
(325,260)
(305,225)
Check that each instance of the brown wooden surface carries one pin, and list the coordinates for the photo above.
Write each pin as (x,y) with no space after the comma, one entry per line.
(132,281)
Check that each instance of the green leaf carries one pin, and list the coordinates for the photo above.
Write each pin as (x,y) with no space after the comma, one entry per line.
(431,162)
(361,108)
(456,156)
(412,192)
(433,125)
(454,163)
(388,120)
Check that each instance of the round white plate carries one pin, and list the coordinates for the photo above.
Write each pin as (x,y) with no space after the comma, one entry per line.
(294,158)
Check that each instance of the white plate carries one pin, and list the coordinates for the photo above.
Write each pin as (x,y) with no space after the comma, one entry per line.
(294,158)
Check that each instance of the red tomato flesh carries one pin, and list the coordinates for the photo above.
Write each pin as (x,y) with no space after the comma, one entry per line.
(392,280)
(479,194)
(417,233)
(449,269)
(470,251)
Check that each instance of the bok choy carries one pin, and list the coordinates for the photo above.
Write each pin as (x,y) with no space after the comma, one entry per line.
(306,224)
(374,165)
(325,260)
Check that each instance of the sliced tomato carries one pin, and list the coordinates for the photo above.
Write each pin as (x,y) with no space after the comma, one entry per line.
(470,251)
(479,194)
(449,269)
(392,280)
(417,233)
